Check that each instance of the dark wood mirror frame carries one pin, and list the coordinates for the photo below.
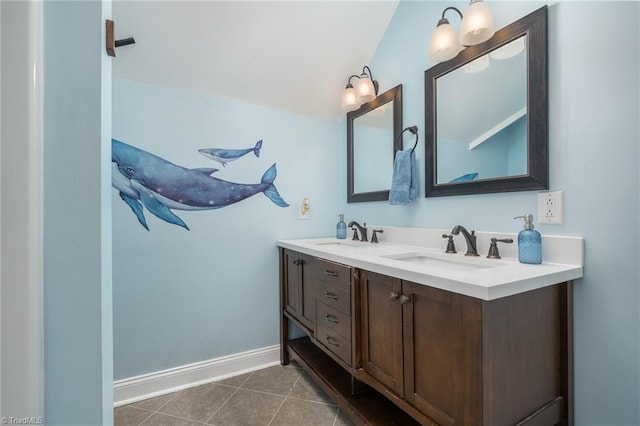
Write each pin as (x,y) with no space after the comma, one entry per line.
(392,95)
(534,26)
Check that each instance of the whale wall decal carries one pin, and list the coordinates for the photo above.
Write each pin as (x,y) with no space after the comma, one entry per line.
(223,156)
(146,180)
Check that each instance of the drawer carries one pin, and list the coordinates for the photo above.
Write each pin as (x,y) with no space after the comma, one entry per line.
(332,272)
(333,285)
(333,342)
(335,296)
(333,320)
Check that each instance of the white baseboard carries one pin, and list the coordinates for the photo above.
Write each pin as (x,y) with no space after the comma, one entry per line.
(127,391)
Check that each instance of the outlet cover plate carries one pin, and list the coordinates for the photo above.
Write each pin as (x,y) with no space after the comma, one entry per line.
(550,211)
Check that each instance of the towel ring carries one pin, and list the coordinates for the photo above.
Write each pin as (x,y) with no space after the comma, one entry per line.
(412,129)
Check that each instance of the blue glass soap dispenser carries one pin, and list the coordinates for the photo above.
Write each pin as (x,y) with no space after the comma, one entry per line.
(529,242)
(341,229)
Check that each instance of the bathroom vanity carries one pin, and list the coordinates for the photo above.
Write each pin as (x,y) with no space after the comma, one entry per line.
(402,333)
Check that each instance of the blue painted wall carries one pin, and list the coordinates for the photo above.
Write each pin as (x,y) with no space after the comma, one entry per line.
(594,156)
(78,349)
(186,296)
(178,294)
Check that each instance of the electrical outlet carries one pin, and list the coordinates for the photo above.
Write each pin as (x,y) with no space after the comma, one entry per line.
(550,208)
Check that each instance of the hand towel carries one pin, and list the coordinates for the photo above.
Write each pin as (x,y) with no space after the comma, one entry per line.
(404,183)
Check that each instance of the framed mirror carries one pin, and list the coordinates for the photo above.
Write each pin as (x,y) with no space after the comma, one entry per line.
(486,114)
(372,133)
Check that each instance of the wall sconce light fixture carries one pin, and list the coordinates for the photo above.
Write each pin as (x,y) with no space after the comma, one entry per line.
(366,90)
(476,27)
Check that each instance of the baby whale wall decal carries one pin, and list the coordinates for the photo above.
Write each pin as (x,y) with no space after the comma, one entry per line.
(146,180)
(222,156)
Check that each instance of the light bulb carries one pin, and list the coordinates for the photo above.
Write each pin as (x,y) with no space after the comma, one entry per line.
(349,101)
(444,43)
(477,24)
(365,91)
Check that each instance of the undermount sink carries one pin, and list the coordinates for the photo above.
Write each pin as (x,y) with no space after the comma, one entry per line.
(346,243)
(408,257)
(437,262)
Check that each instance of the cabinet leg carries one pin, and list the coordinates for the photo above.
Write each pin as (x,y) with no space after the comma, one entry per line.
(284,340)
(284,321)
(357,386)
(567,351)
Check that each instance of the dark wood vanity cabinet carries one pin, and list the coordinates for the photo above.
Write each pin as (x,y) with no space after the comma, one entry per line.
(435,356)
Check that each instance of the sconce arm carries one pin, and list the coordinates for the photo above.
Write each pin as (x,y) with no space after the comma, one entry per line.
(349,81)
(367,69)
(451,8)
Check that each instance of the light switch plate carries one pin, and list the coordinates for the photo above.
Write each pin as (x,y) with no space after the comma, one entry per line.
(550,211)
(303,209)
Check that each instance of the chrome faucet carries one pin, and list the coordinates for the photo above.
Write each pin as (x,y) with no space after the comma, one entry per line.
(470,238)
(362,228)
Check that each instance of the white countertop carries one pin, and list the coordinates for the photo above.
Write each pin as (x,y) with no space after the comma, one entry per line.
(477,277)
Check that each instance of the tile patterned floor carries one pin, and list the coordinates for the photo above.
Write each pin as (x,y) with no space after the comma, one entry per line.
(275,396)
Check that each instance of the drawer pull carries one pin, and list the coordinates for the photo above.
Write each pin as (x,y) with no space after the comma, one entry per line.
(330,296)
(332,319)
(332,341)
(330,273)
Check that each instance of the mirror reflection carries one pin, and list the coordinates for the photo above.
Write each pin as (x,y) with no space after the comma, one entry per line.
(483,134)
(372,134)
(372,131)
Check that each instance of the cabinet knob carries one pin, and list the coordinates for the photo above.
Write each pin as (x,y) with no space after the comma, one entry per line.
(393,296)
(404,299)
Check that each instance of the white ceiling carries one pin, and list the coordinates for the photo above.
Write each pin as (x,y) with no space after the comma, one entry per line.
(291,55)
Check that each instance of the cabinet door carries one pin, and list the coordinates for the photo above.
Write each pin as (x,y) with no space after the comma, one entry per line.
(442,354)
(298,282)
(307,292)
(382,330)
(291,281)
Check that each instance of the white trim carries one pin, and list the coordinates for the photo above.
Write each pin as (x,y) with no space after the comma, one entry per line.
(127,391)
(36,187)
(22,211)
(1,208)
